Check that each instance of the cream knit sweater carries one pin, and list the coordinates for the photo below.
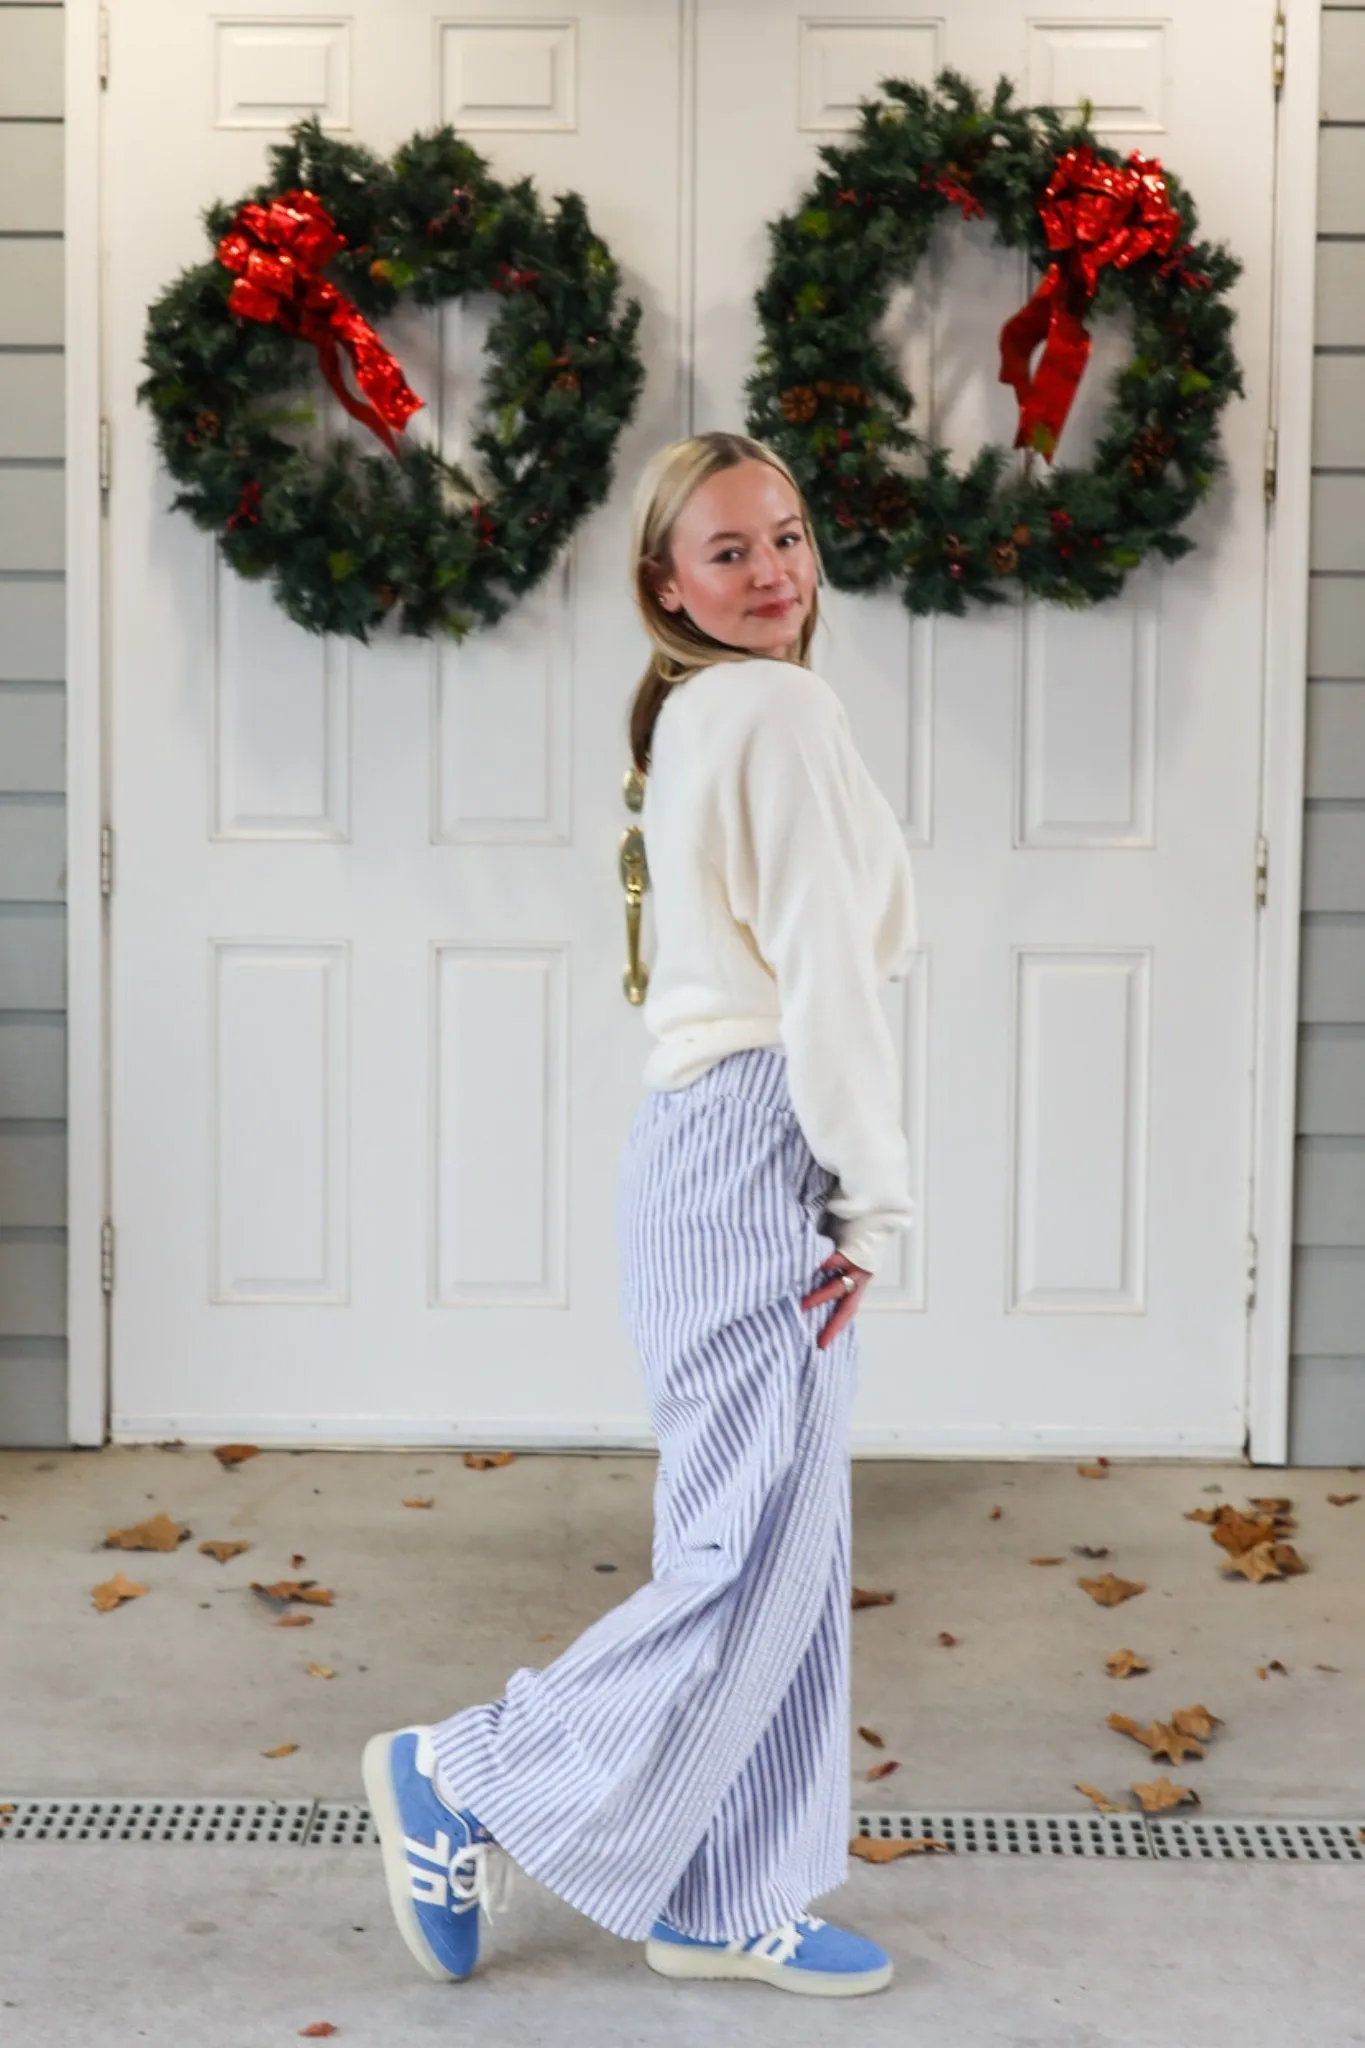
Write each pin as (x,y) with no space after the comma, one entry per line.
(782,896)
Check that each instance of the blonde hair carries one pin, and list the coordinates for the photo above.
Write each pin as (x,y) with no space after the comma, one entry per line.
(680,648)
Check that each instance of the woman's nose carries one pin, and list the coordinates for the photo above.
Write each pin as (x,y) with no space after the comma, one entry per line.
(767,565)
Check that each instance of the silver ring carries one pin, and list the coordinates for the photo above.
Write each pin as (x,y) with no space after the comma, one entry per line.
(849,1282)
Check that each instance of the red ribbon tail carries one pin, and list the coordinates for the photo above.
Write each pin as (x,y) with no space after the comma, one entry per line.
(1052,316)
(1020,336)
(330,365)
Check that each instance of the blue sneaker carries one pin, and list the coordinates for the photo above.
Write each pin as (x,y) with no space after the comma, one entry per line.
(805,1954)
(436,1857)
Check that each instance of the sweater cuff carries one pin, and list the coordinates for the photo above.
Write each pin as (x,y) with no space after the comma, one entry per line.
(866,1240)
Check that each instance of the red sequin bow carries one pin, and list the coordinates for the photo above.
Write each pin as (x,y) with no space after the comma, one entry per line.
(277,255)
(1097,213)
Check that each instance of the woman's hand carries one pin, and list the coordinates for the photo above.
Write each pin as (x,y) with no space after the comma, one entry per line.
(848,1298)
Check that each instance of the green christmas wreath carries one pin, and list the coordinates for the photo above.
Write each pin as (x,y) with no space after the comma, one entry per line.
(1107,232)
(337,236)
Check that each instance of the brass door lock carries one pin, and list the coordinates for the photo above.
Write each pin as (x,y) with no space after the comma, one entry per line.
(635,877)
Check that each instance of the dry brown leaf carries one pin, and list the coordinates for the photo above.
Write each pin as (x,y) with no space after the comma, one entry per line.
(295,1621)
(1261,1671)
(222,1550)
(1109,1591)
(1100,1471)
(1270,1503)
(229,1455)
(873,1851)
(1162,1738)
(1098,1799)
(1327,1667)
(1090,1550)
(1275,1665)
(1237,1532)
(548,1637)
(1255,1564)
(948,1642)
(484,1461)
(419,1503)
(1047,1560)
(871,1735)
(1265,1561)
(1123,1663)
(281,1749)
(1342,1500)
(321,1671)
(319,2030)
(297,1559)
(1203,1514)
(296,1589)
(862,1598)
(158,1532)
(882,1770)
(113,1592)
(1197,1721)
(1159,1795)
(995,1514)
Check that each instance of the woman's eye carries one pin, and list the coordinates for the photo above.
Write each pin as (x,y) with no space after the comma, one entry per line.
(727,555)
(794,538)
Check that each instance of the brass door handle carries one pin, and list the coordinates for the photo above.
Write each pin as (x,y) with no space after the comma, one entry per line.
(635,876)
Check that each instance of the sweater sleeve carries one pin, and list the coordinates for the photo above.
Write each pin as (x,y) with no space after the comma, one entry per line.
(793,871)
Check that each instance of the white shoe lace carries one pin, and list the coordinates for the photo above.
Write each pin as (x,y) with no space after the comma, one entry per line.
(482,1873)
(779,1944)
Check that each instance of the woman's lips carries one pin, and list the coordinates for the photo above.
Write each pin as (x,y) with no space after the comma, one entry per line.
(778,609)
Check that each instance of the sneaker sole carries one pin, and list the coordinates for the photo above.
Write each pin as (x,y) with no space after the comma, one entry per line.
(672,1961)
(374,1768)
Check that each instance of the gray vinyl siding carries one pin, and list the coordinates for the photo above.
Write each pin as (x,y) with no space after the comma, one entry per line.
(1327,1329)
(32,742)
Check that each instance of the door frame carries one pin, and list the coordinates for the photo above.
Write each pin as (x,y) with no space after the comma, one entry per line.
(1284,693)
(1283,723)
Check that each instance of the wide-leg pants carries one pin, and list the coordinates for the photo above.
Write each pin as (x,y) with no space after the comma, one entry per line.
(687,1756)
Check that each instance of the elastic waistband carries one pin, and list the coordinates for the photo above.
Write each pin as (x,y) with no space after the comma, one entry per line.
(758,1074)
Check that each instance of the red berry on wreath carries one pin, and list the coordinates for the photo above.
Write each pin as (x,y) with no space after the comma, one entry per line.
(248,511)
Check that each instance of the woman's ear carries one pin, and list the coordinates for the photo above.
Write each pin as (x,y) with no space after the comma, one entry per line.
(664,586)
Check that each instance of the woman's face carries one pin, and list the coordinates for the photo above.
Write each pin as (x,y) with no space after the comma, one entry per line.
(739,563)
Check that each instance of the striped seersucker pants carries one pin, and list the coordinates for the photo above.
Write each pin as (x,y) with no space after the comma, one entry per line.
(687,1757)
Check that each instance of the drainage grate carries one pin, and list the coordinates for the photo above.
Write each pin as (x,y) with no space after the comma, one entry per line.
(342,1824)
(1261,1841)
(277,1823)
(1016,1834)
(346,1824)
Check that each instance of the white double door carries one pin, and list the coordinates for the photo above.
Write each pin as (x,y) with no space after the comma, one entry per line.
(372,1063)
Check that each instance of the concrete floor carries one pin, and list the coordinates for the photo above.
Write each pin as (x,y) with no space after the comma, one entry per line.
(180,1692)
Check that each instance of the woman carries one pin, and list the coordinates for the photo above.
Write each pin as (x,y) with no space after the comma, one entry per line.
(680,1773)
